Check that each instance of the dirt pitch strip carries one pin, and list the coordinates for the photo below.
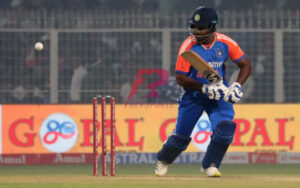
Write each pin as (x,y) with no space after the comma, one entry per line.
(131,176)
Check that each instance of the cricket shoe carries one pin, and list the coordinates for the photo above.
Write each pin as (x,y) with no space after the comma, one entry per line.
(211,171)
(161,168)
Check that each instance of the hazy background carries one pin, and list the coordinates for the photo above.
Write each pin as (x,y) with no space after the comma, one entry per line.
(98,46)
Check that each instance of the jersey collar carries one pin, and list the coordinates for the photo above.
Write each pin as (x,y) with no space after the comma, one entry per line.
(209,46)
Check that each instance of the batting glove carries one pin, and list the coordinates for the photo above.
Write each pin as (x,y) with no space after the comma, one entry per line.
(215,91)
(235,93)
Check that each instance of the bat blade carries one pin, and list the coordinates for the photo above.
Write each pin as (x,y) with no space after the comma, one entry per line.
(202,66)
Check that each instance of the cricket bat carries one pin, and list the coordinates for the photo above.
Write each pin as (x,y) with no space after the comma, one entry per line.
(202,66)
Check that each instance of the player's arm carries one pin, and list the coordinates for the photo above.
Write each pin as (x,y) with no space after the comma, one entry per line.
(238,56)
(235,92)
(182,70)
(245,70)
(187,82)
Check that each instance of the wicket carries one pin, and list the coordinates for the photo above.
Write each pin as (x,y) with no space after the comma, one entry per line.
(103,100)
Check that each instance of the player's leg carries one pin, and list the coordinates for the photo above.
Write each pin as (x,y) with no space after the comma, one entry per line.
(221,115)
(174,145)
(178,141)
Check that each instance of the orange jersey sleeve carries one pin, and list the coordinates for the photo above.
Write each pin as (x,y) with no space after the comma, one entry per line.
(234,50)
(182,65)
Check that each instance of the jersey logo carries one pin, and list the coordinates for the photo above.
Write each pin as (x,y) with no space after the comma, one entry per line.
(219,52)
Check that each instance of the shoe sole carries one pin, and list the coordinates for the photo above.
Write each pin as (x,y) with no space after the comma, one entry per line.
(216,175)
(159,175)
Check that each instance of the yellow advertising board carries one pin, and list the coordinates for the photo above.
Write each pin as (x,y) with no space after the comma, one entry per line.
(273,127)
(141,128)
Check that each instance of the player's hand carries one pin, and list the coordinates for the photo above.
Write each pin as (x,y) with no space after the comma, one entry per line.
(215,91)
(235,93)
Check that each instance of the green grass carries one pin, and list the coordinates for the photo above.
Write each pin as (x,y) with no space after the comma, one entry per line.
(141,176)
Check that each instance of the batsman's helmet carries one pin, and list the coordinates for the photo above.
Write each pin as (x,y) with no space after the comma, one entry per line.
(203,16)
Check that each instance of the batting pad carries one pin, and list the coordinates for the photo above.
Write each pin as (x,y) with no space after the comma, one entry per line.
(173,147)
(220,140)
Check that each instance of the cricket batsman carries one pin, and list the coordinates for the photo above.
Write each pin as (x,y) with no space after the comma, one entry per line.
(199,95)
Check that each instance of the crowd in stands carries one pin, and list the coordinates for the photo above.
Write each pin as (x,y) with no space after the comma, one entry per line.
(24,72)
